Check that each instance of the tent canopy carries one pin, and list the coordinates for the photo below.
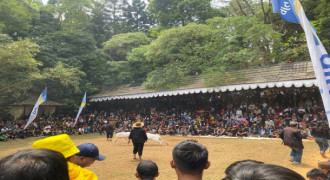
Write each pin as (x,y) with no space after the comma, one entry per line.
(25,107)
(282,75)
(32,102)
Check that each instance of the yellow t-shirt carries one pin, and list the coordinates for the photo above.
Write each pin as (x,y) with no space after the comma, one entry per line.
(78,173)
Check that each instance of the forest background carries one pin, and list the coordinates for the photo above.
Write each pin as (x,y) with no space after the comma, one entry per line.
(73,46)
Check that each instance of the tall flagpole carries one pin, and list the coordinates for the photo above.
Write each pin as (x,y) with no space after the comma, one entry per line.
(83,103)
(42,98)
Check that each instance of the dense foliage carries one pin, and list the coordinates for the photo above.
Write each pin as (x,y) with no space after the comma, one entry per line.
(72,46)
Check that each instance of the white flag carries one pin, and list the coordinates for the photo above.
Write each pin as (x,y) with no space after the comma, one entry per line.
(319,56)
(42,98)
(83,103)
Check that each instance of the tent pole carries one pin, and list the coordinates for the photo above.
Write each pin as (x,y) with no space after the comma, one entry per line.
(294,99)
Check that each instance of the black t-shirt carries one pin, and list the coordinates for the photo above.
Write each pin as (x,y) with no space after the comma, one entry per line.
(138,135)
(109,128)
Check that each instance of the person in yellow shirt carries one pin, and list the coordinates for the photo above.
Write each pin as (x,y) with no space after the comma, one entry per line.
(63,144)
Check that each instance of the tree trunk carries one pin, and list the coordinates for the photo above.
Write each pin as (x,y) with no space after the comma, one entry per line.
(240,7)
(249,6)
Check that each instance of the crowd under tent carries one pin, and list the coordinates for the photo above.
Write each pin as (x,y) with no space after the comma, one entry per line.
(24,108)
(283,77)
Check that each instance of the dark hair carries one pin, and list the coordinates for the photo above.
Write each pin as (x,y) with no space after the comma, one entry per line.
(262,171)
(314,173)
(190,157)
(233,166)
(34,164)
(147,170)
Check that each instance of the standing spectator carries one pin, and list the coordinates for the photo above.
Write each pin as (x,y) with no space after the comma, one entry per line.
(109,130)
(147,170)
(189,160)
(320,132)
(292,137)
(139,137)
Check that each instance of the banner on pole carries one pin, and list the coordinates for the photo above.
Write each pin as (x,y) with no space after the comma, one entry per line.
(318,54)
(42,98)
(83,103)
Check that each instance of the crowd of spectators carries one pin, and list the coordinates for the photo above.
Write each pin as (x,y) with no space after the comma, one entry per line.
(265,115)
(236,114)
(49,126)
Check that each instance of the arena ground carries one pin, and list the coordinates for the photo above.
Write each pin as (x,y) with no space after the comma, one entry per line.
(120,165)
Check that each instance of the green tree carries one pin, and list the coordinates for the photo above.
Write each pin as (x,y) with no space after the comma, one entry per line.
(43,24)
(100,23)
(136,16)
(178,52)
(138,65)
(240,42)
(318,12)
(74,49)
(19,70)
(114,10)
(171,13)
(121,44)
(16,15)
(71,13)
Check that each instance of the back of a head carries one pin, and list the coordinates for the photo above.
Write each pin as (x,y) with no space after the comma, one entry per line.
(190,157)
(315,173)
(147,170)
(262,172)
(35,164)
(232,167)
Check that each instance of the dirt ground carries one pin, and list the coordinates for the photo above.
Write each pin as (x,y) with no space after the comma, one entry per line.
(120,165)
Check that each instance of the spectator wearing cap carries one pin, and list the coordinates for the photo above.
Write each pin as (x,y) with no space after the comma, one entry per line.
(292,137)
(87,155)
(63,144)
(147,170)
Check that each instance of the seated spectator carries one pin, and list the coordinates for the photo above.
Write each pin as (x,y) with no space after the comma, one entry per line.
(316,174)
(243,132)
(47,130)
(269,123)
(254,130)
(221,131)
(260,171)
(262,132)
(189,160)
(147,170)
(35,164)
(3,137)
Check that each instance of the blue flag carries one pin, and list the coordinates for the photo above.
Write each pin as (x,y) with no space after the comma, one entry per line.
(285,9)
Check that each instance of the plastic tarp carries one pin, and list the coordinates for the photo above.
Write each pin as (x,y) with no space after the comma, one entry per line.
(287,84)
